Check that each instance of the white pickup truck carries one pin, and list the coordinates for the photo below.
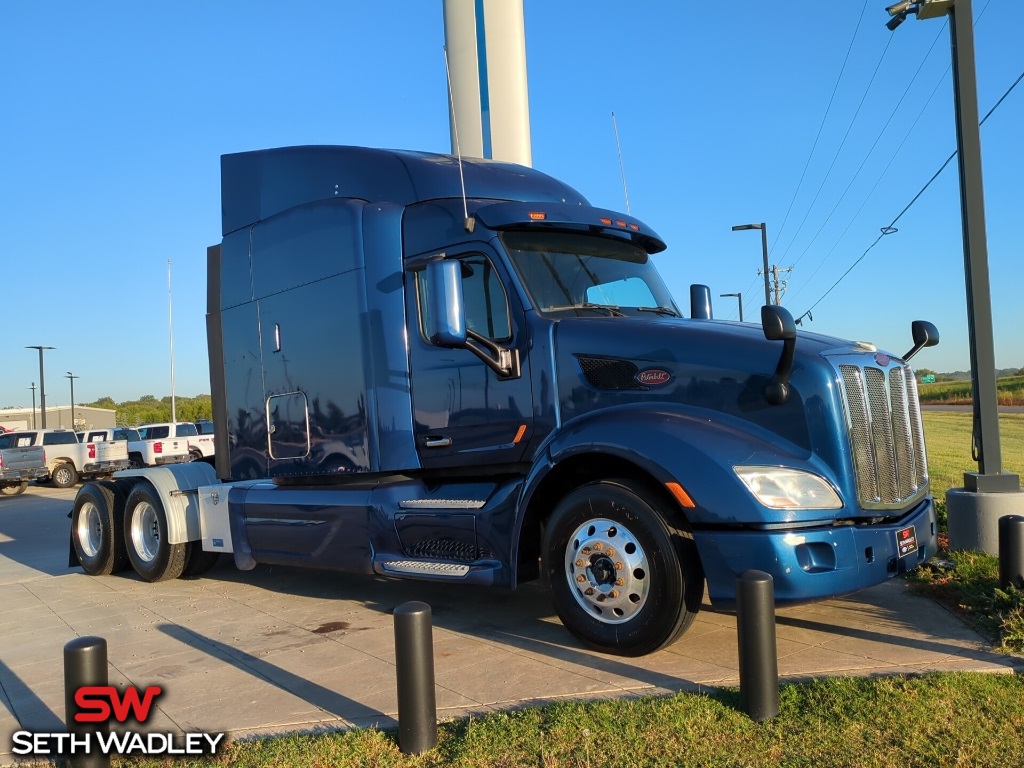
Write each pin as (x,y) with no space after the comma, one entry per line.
(19,462)
(200,446)
(144,451)
(68,460)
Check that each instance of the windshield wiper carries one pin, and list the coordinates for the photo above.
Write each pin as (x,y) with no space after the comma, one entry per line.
(612,311)
(660,311)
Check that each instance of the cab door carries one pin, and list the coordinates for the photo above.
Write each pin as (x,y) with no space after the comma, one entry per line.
(465,413)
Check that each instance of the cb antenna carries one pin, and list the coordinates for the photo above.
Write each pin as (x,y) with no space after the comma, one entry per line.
(622,168)
(468,223)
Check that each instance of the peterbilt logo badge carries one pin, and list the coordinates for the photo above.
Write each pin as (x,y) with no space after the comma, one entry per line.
(654,377)
(881,358)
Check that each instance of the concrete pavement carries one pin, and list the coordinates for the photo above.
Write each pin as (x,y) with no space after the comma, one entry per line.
(279,649)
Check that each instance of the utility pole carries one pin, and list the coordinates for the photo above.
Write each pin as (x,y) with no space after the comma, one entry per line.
(780,285)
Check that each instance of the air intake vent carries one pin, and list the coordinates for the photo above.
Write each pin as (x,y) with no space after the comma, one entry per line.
(609,373)
(886,434)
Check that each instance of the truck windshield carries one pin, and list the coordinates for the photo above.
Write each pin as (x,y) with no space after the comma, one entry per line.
(586,275)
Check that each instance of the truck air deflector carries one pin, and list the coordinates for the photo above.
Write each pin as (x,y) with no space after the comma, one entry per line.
(563,216)
(257,185)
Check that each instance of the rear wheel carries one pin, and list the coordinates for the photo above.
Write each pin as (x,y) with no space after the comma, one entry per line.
(97,521)
(14,490)
(152,556)
(64,475)
(623,579)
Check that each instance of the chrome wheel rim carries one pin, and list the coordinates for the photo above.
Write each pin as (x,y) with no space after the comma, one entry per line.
(607,570)
(145,531)
(90,529)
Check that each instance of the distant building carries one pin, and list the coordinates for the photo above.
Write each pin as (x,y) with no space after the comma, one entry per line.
(58,417)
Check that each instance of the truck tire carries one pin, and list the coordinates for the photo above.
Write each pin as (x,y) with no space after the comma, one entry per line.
(97,528)
(64,475)
(14,490)
(199,560)
(135,461)
(623,578)
(152,556)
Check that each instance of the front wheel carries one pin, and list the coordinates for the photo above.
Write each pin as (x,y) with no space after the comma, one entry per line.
(152,556)
(624,579)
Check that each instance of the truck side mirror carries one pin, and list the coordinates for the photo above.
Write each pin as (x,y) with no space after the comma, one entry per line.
(925,335)
(778,325)
(700,302)
(446,314)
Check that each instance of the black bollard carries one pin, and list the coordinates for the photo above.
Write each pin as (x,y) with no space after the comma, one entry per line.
(759,663)
(85,663)
(1011,551)
(414,662)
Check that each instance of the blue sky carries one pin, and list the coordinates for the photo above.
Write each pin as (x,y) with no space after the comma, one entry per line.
(114,115)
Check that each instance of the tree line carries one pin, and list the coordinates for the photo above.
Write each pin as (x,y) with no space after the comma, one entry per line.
(147,409)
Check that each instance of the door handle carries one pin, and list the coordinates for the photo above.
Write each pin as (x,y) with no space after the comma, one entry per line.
(437,441)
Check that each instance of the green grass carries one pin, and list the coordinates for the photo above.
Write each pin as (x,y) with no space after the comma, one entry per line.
(938,719)
(971,589)
(948,437)
(1009,391)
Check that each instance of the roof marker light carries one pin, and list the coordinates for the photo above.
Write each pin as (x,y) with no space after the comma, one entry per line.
(537,216)
(606,222)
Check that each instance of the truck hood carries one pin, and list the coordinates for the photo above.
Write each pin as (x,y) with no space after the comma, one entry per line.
(719,366)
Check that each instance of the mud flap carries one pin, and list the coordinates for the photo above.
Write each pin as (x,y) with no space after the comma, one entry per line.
(73,561)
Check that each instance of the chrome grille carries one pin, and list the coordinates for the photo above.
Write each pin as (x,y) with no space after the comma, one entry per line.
(886,434)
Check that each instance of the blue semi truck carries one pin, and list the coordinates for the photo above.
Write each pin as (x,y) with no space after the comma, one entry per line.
(453,370)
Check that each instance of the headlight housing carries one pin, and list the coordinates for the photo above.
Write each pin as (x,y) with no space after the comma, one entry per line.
(781,488)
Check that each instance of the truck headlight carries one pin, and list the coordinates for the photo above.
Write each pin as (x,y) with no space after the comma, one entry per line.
(779,488)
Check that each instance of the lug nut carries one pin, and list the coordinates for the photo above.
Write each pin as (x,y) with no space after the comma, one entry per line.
(598,547)
(619,566)
(619,582)
(613,594)
(585,550)
(580,563)
(589,591)
(581,578)
(610,552)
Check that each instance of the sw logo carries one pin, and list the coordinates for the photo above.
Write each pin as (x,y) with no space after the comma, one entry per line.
(98,702)
(101,704)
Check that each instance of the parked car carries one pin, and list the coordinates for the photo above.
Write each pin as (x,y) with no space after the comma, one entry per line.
(200,446)
(20,461)
(68,459)
(143,451)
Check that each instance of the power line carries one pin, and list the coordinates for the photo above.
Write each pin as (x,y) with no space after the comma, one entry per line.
(853,120)
(896,152)
(892,226)
(828,109)
(878,138)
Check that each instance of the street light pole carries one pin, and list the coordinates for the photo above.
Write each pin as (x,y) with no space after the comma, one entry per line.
(42,384)
(739,298)
(71,377)
(764,253)
(990,477)
(33,388)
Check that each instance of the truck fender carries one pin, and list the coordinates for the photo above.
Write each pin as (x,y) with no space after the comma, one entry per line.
(694,447)
(176,486)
